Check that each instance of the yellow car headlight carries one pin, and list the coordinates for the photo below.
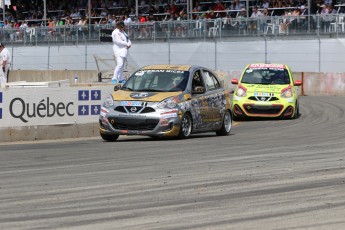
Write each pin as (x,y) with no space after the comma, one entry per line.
(169,103)
(287,93)
(241,92)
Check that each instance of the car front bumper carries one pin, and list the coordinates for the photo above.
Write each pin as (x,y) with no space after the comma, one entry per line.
(160,123)
(242,107)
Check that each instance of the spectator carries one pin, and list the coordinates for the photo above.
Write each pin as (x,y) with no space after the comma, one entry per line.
(254,19)
(304,17)
(181,27)
(277,4)
(295,19)
(284,25)
(242,21)
(128,24)
(69,28)
(127,20)
(331,9)
(265,17)
(236,6)
(142,27)
(172,8)
(265,4)
(22,30)
(111,19)
(82,26)
(219,7)
(5,63)
(196,10)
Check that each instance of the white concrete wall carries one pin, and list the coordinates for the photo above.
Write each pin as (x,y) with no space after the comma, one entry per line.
(325,55)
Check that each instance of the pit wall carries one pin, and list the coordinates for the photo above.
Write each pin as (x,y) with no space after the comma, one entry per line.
(89,76)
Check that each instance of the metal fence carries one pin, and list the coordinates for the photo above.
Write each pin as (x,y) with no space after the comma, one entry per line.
(220,28)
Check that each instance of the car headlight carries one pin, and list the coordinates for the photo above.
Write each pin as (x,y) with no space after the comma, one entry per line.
(286,93)
(108,102)
(169,103)
(241,92)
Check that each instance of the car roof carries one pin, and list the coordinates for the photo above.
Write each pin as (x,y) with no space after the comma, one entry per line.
(169,67)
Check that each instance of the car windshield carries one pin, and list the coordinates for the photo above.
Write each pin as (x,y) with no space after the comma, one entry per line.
(157,80)
(277,76)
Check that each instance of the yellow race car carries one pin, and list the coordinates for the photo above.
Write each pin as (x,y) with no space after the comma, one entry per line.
(265,90)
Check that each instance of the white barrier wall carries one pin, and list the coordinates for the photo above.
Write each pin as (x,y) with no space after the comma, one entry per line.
(31,110)
(308,55)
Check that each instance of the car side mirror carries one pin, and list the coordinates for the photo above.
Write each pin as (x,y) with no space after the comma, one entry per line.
(198,90)
(297,83)
(234,81)
(117,87)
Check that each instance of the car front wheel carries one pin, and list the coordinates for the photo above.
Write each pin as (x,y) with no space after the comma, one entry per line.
(296,115)
(108,137)
(226,126)
(186,126)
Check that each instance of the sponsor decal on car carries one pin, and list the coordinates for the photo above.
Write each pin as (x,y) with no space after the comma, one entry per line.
(103,112)
(131,103)
(141,95)
(266,66)
(263,94)
(131,115)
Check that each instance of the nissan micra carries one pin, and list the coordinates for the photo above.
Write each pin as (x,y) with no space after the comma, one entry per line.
(167,101)
(265,90)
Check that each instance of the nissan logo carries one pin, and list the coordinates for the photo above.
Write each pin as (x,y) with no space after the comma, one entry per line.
(133,109)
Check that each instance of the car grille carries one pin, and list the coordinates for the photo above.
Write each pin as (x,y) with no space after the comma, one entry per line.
(134,109)
(133,124)
(253,98)
(263,109)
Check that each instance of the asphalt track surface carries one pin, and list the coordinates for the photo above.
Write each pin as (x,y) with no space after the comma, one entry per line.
(268,174)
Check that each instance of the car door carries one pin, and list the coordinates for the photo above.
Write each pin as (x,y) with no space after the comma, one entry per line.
(215,99)
(205,101)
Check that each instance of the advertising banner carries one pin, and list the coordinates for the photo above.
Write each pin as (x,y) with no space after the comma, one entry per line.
(105,35)
(29,106)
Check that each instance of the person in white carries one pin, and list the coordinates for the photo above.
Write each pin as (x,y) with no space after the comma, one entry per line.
(121,45)
(5,63)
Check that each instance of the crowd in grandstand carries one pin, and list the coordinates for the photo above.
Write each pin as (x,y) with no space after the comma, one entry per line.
(107,11)
(23,14)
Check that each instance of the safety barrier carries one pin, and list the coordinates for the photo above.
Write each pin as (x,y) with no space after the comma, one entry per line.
(50,110)
(61,109)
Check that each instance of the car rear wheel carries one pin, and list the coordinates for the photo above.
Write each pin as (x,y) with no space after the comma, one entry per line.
(186,126)
(226,126)
(108,137)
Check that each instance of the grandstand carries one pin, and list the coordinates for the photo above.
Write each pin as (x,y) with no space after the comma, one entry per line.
(37,21)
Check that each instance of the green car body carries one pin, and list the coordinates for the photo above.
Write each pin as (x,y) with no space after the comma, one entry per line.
(265,90)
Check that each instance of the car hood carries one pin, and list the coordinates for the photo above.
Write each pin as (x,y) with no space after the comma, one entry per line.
(252,88)
(123,95)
